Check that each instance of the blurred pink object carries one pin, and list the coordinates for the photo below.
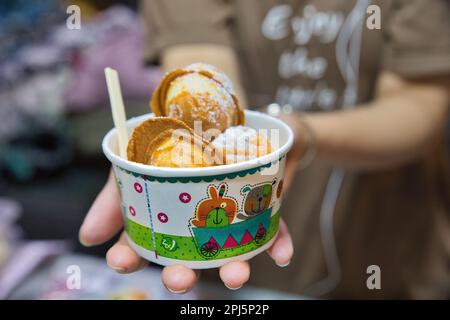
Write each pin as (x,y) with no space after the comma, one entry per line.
(26,258)
(114,39)
(19,258)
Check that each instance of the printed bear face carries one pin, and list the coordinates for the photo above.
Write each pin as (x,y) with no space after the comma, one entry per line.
(258,198)
(216,211)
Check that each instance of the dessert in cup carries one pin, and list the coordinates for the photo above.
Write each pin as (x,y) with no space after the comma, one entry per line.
(198,199)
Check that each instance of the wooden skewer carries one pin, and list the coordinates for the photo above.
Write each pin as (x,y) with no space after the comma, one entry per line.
(117,109)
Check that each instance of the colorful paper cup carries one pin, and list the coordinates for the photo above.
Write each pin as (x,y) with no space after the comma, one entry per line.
(203,217)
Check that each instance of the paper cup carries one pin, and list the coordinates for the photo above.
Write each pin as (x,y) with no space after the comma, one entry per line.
(203,217)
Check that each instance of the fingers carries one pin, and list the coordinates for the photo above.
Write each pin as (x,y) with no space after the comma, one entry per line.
(104,218)
(235,274)
(178,278)
(282,249)
(122,258)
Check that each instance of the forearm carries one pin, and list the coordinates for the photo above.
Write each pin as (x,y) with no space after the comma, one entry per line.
(393,129)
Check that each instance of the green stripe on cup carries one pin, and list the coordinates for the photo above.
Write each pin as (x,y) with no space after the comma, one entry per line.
(185,248)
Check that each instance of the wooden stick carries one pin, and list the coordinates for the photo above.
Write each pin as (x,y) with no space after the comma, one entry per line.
(118,109)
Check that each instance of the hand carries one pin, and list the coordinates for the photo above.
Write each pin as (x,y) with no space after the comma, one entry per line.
(176,278)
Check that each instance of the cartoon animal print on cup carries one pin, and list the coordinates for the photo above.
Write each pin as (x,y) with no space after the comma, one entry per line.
(216,211)
(257,199)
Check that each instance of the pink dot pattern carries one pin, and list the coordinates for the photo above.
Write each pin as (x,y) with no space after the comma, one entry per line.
(138,187)
(162,217)
(185,197)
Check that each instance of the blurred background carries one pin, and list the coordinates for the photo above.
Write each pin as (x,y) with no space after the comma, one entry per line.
(54,106)
(54,112)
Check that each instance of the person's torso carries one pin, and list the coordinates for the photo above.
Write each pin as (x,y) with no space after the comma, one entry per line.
(320,56)
(314,55)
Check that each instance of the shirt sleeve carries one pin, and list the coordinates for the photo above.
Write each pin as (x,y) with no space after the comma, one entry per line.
(174,22)
(417,41)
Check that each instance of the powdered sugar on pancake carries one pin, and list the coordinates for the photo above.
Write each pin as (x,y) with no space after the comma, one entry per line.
(213,100)
(242,143)
(216,74)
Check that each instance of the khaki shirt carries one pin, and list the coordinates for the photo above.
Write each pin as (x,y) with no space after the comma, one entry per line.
(320,56)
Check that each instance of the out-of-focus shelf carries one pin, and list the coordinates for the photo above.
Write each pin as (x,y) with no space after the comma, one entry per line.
(100,282)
